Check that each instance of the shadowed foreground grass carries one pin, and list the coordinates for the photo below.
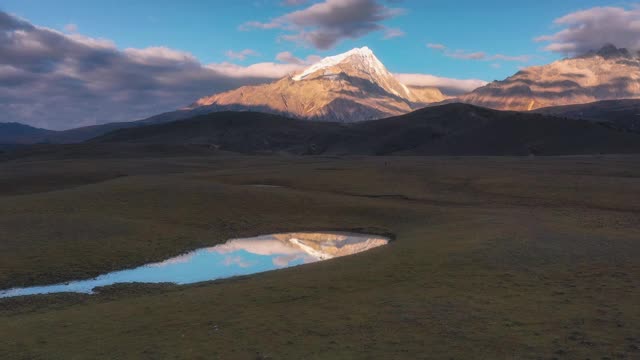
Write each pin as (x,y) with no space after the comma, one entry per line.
(495,258)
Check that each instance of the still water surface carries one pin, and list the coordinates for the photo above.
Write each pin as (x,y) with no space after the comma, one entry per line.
(233,258)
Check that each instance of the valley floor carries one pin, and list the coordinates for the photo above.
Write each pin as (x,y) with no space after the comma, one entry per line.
(494,258)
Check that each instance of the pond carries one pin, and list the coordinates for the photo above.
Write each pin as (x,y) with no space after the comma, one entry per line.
(234,258)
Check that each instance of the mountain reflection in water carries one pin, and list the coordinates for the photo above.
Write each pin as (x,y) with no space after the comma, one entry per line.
(233,258)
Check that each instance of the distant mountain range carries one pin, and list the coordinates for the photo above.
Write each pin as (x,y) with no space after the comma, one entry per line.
(454,129)
(356,86)
(624,114)
(607,74)
(16,133)
(350,87)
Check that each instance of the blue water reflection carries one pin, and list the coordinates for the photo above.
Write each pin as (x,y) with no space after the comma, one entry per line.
(233,258)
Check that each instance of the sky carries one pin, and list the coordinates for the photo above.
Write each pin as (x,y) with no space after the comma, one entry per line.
(70,63)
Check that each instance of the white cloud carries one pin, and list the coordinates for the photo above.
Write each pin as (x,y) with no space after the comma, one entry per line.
(159,55)
(593,28)
(94,43)
(447,85)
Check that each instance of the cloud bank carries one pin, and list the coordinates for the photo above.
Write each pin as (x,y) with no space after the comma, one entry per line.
(325,24)
(448,86)
(593,28)
(54,80)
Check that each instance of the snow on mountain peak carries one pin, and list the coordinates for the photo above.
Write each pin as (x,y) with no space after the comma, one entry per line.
(359,63)
(364,56)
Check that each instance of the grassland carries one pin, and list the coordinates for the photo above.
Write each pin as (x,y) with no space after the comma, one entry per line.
(494,258)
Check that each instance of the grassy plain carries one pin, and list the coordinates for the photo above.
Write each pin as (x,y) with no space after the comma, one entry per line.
(494,258)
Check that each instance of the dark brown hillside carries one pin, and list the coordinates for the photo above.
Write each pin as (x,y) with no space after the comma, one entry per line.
(453,129)
(623,114)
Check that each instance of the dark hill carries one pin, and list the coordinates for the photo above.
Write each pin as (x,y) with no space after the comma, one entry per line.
(16,133)
(453,129)
(245,132)
(88,132)
(624,114)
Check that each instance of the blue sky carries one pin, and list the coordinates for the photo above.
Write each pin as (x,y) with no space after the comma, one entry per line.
(208,29)
(104,61)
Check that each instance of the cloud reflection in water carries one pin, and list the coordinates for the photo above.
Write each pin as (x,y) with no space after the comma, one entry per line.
(234,258)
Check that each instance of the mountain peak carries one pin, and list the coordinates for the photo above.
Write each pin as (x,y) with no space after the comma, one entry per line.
(358,63)
(361,56)
(606,74)
(609,51)
(361,51)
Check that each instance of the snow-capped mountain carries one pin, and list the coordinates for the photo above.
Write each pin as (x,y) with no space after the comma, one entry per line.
(361,63)
(354,86)
(607,74)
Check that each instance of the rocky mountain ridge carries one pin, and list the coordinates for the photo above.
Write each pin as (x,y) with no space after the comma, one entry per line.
(607,74)
(350,87)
